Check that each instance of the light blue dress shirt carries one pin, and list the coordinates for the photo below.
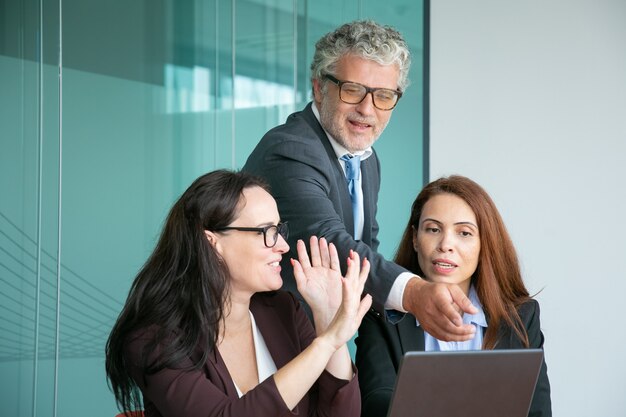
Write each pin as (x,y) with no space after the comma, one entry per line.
(478,320)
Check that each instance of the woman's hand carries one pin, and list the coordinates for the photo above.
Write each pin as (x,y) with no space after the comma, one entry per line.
(348,318)
(337,310)
(333,299)
(319,279)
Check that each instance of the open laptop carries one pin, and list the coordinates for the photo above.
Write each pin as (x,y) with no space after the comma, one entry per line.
(484,383)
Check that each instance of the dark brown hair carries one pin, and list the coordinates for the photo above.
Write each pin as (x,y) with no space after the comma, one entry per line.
(183,286)
(497,279)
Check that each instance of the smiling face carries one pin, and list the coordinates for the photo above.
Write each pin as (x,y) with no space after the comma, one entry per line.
(447,241)
(253,267)
(355,126)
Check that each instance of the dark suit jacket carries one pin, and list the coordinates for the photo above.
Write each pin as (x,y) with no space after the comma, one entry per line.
(300,165)
(210,391)
(380,347)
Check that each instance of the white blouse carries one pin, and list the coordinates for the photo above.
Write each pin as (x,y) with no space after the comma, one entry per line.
(264,362)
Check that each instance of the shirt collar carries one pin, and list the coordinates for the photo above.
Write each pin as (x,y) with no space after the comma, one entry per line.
(479,318)
(337,147)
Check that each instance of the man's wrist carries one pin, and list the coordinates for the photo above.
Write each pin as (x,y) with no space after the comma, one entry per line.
(396,294)
(413,286)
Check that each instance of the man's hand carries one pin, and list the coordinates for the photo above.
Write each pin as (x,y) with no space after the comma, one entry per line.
(438,307)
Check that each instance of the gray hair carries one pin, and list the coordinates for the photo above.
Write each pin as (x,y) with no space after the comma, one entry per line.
(365,39)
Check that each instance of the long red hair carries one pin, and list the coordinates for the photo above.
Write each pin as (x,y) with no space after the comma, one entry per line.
(497,279)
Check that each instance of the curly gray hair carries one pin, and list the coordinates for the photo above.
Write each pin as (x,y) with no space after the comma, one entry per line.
(365,39)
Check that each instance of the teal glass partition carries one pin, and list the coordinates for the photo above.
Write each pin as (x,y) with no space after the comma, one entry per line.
(109,109)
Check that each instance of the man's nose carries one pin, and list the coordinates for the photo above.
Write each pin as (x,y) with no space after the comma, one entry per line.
(366,106)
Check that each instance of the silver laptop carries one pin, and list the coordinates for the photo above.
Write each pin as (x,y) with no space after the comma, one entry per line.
(484,383)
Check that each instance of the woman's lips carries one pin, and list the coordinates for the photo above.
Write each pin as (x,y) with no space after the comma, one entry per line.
(444,266)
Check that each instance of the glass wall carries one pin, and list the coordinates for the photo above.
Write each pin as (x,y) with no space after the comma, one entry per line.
(108,111)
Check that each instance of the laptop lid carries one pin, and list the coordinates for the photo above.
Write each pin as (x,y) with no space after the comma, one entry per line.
(485,383)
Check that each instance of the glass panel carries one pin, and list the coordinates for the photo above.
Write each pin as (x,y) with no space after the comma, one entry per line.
(136,122)
(29,174)
(18,221)
(223,41)
(264,67)
(170,93)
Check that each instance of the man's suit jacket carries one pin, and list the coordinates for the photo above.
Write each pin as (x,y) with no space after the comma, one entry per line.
(210,391)
(380,347)
(311,190)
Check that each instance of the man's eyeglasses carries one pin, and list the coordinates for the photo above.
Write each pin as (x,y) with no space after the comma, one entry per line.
(270,233)
(354,93)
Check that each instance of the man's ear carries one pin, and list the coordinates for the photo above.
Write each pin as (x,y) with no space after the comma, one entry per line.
(317,90)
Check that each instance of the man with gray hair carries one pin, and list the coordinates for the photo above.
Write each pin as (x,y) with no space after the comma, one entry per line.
(325,175)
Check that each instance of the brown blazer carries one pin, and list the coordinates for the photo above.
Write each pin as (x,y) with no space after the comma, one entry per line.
(210,391)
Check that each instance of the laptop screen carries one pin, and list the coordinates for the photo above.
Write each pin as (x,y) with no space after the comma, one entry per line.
(485,383)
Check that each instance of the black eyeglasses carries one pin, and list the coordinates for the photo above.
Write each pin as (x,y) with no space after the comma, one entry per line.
(354,93)
(270,233)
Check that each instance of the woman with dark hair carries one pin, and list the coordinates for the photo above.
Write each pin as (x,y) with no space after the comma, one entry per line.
(455,235)
(204,331)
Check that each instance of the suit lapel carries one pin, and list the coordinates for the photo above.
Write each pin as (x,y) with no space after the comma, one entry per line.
(221,373)
(278,341)
(368,204)
(411,336)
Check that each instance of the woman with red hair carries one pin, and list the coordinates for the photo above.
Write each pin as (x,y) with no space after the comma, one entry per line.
(455,235)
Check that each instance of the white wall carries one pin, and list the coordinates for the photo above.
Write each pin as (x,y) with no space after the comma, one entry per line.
(529,99)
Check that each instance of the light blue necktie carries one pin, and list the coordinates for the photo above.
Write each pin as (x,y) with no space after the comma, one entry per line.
(353,174)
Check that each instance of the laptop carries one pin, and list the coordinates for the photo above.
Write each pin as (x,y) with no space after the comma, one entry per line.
(483,383)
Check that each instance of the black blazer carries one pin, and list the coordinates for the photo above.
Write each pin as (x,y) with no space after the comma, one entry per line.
(380,347)
(310,188)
